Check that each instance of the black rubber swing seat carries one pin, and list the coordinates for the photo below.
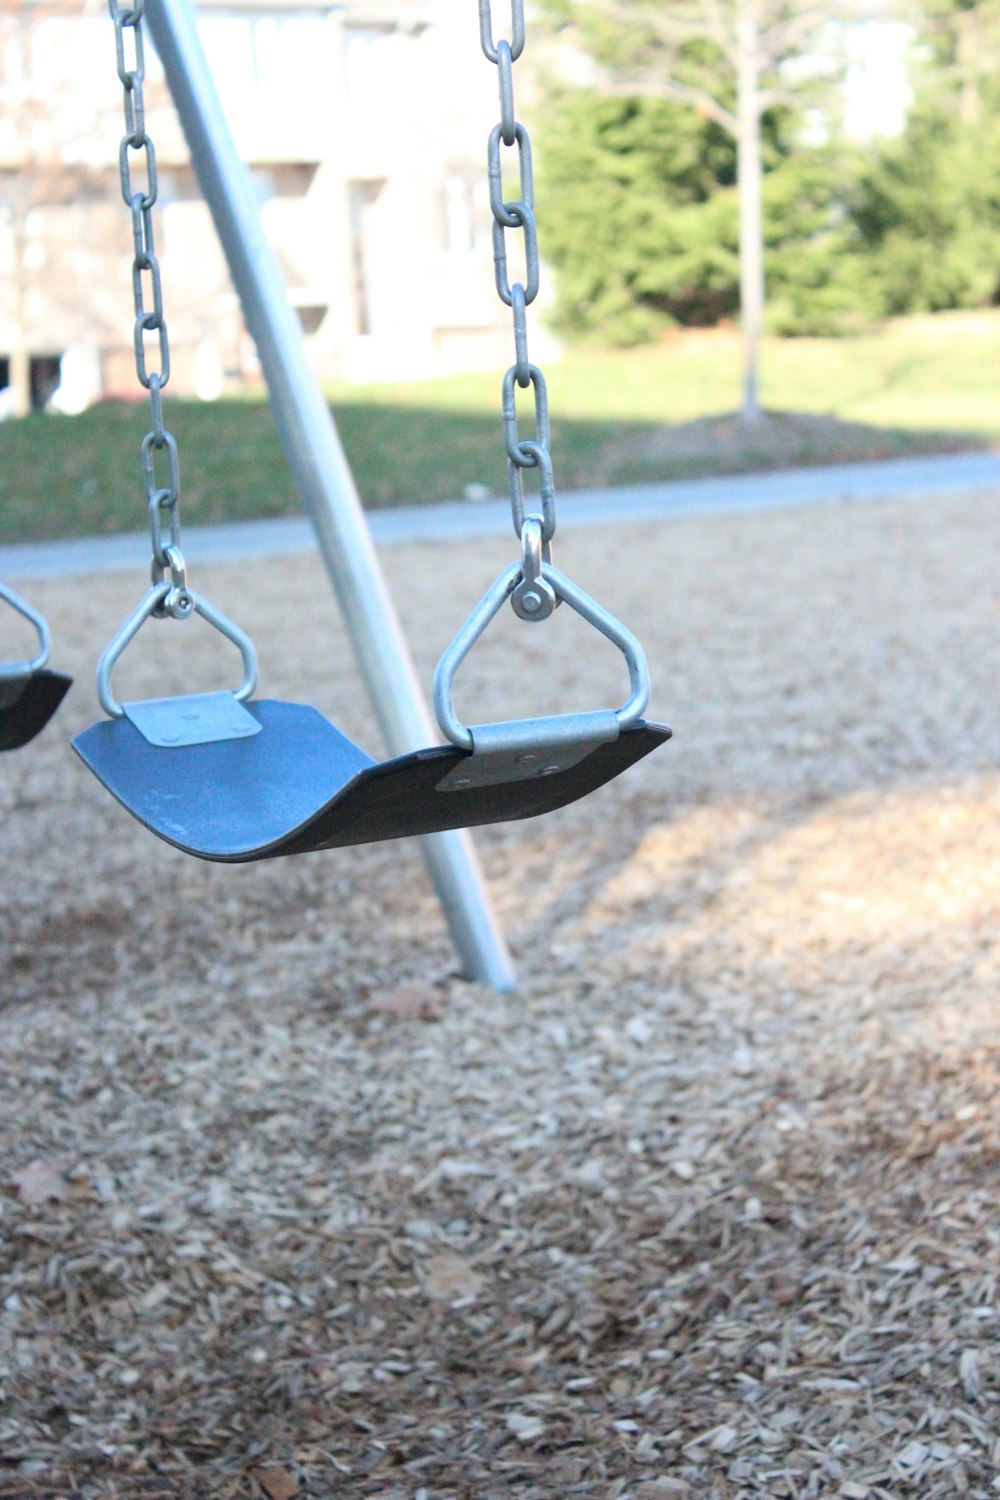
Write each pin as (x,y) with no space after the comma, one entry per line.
(300,785)
(27,704)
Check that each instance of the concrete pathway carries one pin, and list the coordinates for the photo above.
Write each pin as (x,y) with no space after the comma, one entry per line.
(941,474)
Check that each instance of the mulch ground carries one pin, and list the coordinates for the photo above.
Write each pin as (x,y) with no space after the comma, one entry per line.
(707,1207)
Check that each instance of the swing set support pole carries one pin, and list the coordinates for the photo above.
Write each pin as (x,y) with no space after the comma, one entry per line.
(321,472)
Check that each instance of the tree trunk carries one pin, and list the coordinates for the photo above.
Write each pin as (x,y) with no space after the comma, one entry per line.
(750,179)
(20,382)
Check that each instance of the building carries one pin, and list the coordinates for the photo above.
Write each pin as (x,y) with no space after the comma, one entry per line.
(364,125)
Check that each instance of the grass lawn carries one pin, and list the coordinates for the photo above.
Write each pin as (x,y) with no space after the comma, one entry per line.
(619,417)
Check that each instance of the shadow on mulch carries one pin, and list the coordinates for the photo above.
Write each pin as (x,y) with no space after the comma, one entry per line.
(727,443)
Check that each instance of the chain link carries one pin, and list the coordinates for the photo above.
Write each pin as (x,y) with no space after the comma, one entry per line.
(516,43)
(511,215)
(150,329)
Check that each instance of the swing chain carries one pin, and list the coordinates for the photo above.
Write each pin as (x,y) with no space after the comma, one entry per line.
(513,214)
(162,490)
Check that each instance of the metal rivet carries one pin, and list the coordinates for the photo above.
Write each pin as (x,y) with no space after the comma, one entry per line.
(551,770)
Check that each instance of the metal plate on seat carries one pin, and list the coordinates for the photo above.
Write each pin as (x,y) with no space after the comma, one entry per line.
(27,704)
(197,720)
(301,785)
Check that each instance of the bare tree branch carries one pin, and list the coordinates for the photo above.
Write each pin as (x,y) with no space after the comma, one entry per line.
(722,35)
(778,40)
(624,87)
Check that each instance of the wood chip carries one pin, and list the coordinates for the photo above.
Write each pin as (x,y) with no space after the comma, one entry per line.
(40,1182)
(276,1482)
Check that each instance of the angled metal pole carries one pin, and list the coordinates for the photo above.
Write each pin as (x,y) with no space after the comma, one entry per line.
(321,473)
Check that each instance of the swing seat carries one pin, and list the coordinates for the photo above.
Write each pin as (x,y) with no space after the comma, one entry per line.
(300,785)
(29,692)
(27,704)
(226,777)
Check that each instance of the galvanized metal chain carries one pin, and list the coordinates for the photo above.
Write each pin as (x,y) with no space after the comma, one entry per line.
(533,599)
(159,449)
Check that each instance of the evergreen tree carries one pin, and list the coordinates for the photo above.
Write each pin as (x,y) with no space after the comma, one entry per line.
(637,228)
(644,224)
(928,204)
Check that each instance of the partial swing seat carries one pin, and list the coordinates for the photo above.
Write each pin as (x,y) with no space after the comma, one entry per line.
(27,705)
(236,783)
(30,693)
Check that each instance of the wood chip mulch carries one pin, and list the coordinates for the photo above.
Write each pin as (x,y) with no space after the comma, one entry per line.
(709,1207)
